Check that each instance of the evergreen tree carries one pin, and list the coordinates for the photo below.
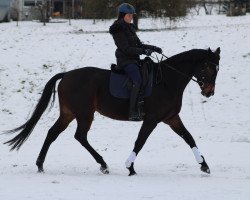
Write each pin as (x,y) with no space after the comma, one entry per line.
(105,9)
(99,9)
(158,8)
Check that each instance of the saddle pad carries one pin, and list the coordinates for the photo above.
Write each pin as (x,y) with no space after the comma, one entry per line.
(118,86)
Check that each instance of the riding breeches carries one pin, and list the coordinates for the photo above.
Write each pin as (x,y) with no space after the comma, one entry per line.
(133,72)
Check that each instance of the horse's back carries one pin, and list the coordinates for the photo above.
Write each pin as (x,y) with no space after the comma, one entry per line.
(83,82)
(87,73)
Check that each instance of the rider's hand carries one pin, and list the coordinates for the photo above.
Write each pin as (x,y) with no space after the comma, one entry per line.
(157,50)
(148,52)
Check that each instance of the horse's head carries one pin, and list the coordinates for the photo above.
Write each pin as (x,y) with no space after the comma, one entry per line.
(206,72)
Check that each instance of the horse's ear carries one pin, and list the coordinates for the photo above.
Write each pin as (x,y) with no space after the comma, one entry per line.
(217,51)
(209,50)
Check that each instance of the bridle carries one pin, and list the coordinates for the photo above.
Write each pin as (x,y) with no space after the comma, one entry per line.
(206,65)
(200,83)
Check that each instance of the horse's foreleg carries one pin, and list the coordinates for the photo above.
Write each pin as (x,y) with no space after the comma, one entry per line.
(81,135)
(60,125)
(146,129)
(177,126)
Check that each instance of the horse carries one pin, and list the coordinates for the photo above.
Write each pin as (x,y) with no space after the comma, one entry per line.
(85,90)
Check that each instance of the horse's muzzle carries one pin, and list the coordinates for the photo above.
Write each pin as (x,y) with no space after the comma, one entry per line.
(207,90)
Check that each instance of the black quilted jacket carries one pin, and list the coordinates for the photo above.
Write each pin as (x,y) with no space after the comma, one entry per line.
(129,46)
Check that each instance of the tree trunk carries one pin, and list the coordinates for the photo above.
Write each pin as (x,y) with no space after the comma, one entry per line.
(136,16)
(135,21)
(205,7)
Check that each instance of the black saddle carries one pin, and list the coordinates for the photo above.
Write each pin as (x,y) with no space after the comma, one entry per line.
(145,67)
(120,84)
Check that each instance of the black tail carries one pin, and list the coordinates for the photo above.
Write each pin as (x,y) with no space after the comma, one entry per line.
(27,128)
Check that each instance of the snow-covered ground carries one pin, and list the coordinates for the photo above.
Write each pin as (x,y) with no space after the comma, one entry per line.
(31,53)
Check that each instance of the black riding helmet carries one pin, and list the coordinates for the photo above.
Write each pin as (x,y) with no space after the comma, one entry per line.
(126,8)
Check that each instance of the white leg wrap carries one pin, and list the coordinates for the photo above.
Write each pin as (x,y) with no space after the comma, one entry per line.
(197,155)
(130,159)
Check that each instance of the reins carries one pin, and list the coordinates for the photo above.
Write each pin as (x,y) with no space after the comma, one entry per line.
(200,83)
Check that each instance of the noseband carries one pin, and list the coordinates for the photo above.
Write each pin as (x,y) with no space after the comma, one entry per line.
(201,83)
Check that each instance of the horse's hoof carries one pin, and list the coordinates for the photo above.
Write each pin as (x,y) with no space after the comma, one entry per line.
(40,170)
(104,170)
(131,170)
(39,164)
(132,173)
(204,167)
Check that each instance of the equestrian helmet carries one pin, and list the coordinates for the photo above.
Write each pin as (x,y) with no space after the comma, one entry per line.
(126,8)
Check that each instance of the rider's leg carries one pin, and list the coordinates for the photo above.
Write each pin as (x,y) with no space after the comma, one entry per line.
(133,72)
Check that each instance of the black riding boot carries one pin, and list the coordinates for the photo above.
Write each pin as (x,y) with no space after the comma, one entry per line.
(134,114)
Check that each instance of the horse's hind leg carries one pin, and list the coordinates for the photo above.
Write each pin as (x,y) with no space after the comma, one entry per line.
(60,125)
(177,126)
(84,123)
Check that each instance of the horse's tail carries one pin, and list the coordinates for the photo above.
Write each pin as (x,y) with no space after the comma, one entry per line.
(41,106)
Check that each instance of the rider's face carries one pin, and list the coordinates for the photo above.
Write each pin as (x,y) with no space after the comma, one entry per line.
(128,18)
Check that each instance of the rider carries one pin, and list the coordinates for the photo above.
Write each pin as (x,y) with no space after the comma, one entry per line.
(129,49)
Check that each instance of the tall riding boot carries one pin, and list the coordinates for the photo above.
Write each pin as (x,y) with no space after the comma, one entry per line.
(133,107)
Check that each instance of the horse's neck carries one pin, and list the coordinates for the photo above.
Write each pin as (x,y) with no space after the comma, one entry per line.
(187,61)
(178,75)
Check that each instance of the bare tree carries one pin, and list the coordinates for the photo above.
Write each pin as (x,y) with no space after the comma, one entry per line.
(197,7)
(194,4)
(16,11)
(220,6)
(44,9)
(69,14)
(209,5)
(204,4)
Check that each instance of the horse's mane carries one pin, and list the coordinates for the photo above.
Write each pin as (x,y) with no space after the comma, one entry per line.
(197,54)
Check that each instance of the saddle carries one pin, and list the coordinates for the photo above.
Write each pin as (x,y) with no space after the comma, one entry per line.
(121,84)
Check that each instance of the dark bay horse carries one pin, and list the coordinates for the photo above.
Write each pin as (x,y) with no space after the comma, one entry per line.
(83,91)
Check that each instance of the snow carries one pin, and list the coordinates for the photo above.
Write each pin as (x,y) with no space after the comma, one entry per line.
(31,53)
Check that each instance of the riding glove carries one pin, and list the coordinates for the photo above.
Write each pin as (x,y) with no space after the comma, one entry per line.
(148,52)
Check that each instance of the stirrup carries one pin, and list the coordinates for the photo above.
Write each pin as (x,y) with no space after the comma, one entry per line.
(134,116)
(140,106)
